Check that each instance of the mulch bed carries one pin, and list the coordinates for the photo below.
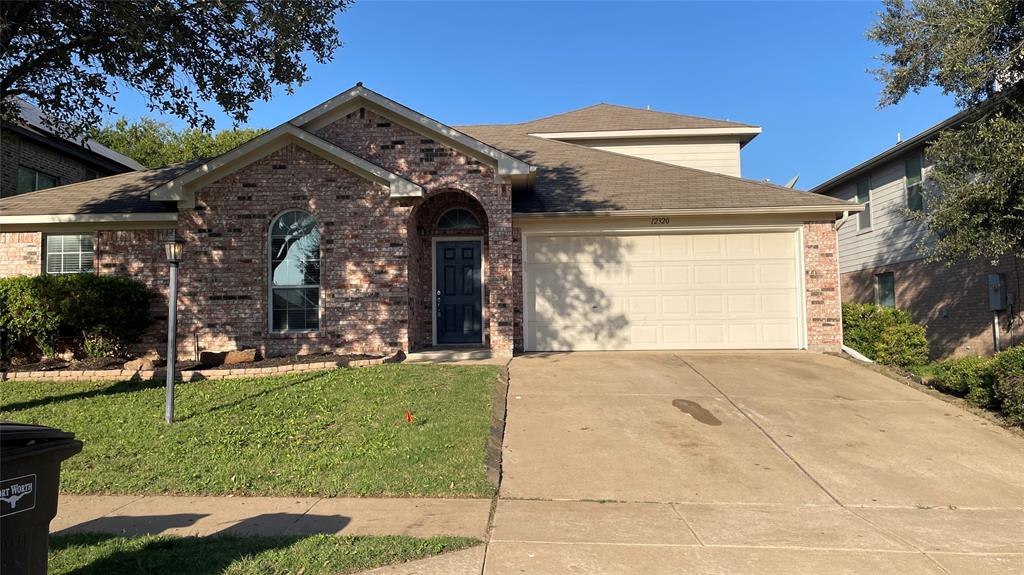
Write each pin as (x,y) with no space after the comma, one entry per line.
(57,364)
(275,361)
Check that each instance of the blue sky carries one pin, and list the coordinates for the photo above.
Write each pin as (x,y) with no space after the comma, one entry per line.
(796,69)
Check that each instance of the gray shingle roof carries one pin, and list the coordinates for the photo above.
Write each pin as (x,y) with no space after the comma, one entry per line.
(121,193)
(573,178)
(31,117)
(609,117)
(569,178)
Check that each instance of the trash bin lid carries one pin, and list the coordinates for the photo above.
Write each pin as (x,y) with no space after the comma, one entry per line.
(13,434)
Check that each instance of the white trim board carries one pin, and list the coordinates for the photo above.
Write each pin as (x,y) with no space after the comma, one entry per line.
(747,132)
(182,188)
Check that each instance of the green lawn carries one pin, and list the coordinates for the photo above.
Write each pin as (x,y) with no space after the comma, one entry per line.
(89,554)
(328,433)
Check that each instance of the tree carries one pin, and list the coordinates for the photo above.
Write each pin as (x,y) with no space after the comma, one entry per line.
(155,144)
(72,56)
(973,50)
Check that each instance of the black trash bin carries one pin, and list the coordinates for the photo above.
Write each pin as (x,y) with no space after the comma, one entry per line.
(30,459)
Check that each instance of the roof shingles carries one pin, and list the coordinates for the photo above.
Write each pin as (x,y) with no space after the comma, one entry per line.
(569,177)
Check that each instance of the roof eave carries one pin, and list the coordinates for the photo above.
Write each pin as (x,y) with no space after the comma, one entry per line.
(823,209)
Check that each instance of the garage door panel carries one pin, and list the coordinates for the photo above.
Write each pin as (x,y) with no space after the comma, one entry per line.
(687,291)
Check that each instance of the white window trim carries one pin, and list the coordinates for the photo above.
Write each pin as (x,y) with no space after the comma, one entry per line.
(868,205)
(46,254)
(271,287)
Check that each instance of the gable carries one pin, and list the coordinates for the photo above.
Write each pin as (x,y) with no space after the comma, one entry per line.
(358,97)
(182,189)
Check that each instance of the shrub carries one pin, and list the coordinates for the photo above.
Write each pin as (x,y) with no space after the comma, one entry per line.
(864,326)
(1008,387)
(1010,394)
(97,313)
(903,345)
(969,377)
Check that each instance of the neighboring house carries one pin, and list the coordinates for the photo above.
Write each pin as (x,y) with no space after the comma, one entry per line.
(364,226)
(33,157)
(880,262)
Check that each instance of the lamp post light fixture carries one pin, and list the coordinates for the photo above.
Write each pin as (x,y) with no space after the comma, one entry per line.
(174,246)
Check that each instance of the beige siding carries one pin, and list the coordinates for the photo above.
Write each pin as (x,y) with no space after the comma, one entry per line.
(892,238)
(713,154)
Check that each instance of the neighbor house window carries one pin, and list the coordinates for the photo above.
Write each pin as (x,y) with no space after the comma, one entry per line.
(69,254)
(30,180)
(915,191)
(885,290)
(864,199)
(295,272)
(458,219)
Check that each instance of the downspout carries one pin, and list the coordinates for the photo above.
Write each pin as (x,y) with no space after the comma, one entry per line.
(839,292)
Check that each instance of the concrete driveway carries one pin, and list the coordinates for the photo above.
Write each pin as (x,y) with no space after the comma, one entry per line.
(778,462)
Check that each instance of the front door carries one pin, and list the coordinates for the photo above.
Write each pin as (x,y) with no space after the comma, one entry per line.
(458,297)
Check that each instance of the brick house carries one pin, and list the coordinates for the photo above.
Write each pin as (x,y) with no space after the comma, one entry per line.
(364,226)
(879,261)
(33,157)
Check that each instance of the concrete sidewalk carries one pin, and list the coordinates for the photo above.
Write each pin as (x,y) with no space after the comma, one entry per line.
(142,515)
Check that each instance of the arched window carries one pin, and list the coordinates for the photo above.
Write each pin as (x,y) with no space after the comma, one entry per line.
(294,272)
(458,219)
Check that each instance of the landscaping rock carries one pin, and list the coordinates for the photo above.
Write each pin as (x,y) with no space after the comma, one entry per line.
(212,358)
(143,364)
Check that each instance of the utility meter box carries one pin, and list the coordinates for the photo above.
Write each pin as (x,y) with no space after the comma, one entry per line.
(996,292)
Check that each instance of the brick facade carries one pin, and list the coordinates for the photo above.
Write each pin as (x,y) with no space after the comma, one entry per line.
(821,282)
(376,251)
(21,254)
(951,302)
(17,151)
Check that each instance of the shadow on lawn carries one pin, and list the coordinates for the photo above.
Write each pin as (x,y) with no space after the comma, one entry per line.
(126,386)
(201,555)
(138,384)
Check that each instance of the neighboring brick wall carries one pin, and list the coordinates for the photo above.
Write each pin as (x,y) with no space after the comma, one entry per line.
(16,151)
(951,302)
(21,253)
(821,272)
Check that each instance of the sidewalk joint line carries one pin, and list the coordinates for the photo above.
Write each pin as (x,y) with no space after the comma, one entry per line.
(762,430)
(693,532)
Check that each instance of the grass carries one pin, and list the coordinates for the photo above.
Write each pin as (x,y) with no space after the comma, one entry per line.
(328,433)
(94,554)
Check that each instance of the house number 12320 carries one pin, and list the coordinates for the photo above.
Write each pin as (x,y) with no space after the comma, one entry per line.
(659,221)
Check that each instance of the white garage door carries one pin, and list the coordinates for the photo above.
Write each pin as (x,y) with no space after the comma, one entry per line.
(678,291)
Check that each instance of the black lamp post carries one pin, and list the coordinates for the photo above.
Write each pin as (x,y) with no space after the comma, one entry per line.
(174,245)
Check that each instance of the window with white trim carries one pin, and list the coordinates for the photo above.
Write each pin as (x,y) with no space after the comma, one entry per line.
(294,273)
(885,289)
(914,183)
(864,199)
(458,219)
(69,254)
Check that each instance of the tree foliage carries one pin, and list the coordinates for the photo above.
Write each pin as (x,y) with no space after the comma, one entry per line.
(72,56)
(973,50)
(156,144)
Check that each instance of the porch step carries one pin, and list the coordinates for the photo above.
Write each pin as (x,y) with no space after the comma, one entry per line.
(450,355)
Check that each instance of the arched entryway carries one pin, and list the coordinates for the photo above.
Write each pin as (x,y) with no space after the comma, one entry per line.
(447,266)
